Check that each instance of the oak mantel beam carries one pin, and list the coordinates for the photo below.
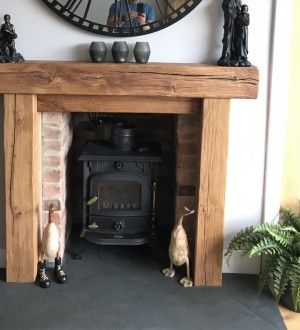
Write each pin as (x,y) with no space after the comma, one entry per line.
(129,79)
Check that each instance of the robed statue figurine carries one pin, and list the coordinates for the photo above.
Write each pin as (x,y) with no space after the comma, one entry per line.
(235,39)
(8,35)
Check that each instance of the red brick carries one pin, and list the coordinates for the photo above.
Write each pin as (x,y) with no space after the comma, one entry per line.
(62,223)
(51,161)
(186,177)
(51,190)
(187,148)
(49,132)
(53,118)
(188,120)
(188,134)
(50,175)
(56,203)
(51,145)
(187,162)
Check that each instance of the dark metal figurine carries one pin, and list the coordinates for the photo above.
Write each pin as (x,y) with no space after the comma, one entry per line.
(8,35)
(235,39)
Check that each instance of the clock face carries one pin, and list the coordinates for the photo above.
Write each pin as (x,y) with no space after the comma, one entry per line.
(122,18)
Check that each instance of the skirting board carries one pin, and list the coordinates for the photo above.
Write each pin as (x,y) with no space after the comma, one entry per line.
(238,264)
(2,258)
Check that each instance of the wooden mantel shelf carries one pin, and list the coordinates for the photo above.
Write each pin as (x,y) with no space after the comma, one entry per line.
(130,79)
(32,87)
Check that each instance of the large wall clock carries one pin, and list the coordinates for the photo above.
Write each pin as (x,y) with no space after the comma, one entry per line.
(122,18)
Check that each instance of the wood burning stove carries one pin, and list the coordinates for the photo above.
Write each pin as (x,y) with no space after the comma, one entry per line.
(119,191)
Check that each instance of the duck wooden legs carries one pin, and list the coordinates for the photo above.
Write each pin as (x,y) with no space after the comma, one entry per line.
(22,148)
(211,192)
(187,282)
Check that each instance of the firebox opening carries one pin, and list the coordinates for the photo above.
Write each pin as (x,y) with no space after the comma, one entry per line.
(121,177)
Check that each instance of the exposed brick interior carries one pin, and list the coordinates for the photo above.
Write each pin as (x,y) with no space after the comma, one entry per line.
(56,140)
(187,147)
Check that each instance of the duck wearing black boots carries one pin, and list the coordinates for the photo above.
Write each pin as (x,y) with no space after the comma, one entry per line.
(59,274)
(50,249)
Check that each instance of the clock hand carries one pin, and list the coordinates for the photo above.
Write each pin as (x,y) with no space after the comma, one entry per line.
(71,3)
(128,12)
(87,9)
(160,10)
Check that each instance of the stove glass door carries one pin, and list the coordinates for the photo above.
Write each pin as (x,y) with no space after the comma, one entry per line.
(124,193)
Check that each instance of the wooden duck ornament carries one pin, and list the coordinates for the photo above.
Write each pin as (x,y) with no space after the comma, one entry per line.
(179,251)
(51,237)
(50,249)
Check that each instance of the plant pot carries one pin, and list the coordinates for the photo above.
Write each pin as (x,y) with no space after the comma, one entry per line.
(287,301)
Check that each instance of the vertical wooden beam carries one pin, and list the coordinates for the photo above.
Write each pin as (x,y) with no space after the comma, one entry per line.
(22,150)
(211,192)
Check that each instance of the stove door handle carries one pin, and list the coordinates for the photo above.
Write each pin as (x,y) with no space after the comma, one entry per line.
(92,200)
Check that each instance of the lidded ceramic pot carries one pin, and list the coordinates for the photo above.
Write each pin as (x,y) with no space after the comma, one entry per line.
(120,51)
(142,51)
(98,51)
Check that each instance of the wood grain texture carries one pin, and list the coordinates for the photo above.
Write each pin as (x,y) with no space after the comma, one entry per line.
(22,147)
(211,192)
(129,79)
(121,104)
(290,318)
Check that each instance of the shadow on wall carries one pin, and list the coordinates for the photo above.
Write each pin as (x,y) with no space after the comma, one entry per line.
(2,197)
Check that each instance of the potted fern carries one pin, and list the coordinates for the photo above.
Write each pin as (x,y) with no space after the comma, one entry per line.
(279,245)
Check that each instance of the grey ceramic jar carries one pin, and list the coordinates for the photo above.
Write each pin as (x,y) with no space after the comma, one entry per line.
(141,51)
(98,51)
(120,51)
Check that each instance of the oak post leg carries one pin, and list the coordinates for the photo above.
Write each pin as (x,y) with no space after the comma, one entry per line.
(22,150)
(210,193)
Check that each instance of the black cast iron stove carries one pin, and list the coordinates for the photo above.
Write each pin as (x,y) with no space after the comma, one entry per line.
(119,190)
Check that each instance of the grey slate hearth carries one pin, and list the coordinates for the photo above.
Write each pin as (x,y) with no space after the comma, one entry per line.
(116,287)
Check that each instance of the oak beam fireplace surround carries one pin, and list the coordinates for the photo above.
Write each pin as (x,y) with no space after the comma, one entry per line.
(31,88)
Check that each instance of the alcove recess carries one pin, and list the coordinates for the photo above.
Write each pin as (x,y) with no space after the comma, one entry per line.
(182,89)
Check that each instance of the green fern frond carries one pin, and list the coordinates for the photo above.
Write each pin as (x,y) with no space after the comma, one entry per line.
(289,218)
(268,266)
(295,282)
(279,244)
(281,276)
(283,235)
(267,246)
(243,241)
